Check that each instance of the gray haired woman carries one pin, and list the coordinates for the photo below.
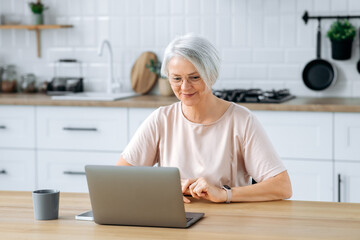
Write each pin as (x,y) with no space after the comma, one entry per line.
(218,146)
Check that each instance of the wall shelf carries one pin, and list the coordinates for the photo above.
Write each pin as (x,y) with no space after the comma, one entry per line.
(37,29)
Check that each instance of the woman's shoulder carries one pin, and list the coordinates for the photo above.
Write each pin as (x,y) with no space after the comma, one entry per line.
(165,113)
(239,111)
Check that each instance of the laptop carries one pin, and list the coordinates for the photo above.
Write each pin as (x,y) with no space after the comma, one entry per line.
(137,196)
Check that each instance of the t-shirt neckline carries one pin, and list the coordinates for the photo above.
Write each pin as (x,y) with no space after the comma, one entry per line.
(207,124)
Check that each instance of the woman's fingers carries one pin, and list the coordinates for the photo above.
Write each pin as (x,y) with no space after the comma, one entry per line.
(186,200)
(185,183)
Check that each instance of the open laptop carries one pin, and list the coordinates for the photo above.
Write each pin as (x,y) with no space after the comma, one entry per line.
(139,196)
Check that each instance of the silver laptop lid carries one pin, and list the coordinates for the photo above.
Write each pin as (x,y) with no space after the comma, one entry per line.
(142,196)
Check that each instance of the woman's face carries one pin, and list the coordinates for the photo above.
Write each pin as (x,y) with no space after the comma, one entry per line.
(186,82)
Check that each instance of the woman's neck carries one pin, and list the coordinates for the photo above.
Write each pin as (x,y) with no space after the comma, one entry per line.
(207,111)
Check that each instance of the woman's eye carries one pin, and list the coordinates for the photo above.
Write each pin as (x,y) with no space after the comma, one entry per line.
(195,78)
(176,79)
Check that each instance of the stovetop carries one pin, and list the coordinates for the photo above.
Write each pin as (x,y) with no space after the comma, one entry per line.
(254,95)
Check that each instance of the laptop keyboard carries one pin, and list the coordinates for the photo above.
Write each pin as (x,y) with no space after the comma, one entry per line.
(189,219)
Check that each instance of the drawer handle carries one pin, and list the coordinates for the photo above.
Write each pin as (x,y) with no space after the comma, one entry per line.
(339,187)
(3,171)
(79,129)
(2,127)
(73,173)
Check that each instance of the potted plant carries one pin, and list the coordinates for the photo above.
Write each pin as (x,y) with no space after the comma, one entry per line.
(341,34)
(164,85)
(37,9)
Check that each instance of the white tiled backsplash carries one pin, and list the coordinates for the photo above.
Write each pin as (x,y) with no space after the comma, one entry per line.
(263,43)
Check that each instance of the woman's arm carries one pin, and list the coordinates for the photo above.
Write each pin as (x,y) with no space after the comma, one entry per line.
(122,162)
(274,188)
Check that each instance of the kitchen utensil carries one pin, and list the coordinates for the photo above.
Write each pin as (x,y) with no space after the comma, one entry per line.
(358,63)
(142,80)
(319,74)
(64,84)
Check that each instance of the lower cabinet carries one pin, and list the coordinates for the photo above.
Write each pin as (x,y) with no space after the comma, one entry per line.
(17,170)
(347,181)
(65,170)
(311,180)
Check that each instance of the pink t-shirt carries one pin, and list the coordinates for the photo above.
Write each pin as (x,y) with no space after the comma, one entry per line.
(228,151)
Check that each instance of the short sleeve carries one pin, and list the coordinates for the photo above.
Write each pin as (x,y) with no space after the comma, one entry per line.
(142,149)
(260,157)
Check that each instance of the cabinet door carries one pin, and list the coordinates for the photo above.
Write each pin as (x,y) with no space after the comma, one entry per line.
(82,128)
(17,170)
(299,134)
(136,118)
(348,187)
(17,126)
(347,136)
(65,170)
(311,180)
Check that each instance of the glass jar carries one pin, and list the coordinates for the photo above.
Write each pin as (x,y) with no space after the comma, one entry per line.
(9,80)
(27,83)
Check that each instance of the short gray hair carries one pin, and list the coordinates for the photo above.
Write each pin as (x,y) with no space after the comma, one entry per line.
(197,50)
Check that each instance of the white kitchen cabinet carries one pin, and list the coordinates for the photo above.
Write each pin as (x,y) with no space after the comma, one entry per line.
(17,126)
(312,180)
(137,117)
(299,135)
(347,136)
(64,170)
(17,169)
(82,128)
(347,189)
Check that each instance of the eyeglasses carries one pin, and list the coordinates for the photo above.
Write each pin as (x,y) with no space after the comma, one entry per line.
(178,81)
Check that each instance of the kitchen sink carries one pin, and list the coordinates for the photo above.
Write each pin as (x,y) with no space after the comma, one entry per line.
(95,96)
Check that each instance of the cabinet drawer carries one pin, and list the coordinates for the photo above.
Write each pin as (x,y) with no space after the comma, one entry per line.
(299,134)
(17,170)
(65,170)
(17,126)
(347,136)
(137,117)
(81,128)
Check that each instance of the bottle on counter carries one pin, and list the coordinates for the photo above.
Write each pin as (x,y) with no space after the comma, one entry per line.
(9,79)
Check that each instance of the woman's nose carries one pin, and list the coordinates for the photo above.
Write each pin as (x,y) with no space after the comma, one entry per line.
(185,84)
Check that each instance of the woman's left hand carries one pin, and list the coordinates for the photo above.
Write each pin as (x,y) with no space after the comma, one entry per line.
(201,188)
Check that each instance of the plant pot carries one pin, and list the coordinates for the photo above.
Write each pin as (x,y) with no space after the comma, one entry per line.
(37,19)
(165,88)
(341,50)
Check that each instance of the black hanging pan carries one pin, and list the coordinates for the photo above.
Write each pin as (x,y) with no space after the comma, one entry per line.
(319,74)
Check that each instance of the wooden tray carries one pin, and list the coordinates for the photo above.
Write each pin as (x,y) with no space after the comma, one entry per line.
(142,80)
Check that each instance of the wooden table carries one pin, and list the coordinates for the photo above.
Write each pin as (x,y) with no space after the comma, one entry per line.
(265,220)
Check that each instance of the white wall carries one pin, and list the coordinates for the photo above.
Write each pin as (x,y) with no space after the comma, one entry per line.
(263,43)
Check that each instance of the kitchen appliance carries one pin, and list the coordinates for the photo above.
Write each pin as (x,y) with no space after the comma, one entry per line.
(319,74)
(61,85)
(254,95)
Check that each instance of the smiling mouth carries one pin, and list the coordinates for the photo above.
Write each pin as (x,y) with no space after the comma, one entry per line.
(188,94)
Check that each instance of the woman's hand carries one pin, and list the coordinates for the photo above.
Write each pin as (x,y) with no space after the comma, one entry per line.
(200,188)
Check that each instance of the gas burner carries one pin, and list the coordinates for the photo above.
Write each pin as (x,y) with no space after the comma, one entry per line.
(254,95)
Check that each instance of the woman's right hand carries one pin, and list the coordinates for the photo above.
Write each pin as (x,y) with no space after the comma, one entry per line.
(185,183)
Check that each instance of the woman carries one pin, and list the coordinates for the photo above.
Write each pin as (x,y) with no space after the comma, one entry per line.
(218,146)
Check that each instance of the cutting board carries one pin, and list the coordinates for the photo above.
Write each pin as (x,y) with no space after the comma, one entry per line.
(142,80)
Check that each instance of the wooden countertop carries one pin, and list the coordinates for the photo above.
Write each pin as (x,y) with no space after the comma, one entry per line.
(151,101)
(264,220)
